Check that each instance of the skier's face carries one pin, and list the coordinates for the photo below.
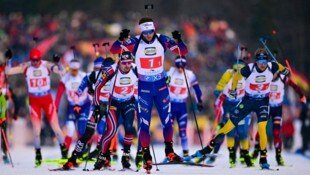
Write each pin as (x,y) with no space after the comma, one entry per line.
(148,35)
(262,64)
(125,65)
(35,62)
(74,72)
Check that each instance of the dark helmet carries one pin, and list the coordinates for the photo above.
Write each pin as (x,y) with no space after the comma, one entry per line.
(126,56)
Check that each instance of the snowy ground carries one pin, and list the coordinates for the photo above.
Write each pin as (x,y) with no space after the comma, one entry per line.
(23,158)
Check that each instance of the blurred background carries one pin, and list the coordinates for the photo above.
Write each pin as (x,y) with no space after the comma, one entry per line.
(210,28)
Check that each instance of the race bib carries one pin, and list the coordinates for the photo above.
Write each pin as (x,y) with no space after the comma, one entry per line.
(151,63)
(123,90)
(177,90)
(38,82)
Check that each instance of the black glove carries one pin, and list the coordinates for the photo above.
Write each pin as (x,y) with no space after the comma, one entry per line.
(199,106)
(124,34)
(176,35)
(8,54)
(90,91)
(285,71)
(56,58)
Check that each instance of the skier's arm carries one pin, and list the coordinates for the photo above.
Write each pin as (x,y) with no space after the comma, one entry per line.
(106,76)
(16,70)
(297,89)
(196,87)
(119,46)
(173,45)
(55,68)
(223,81)
(83,85)
(61,88)
(277,67)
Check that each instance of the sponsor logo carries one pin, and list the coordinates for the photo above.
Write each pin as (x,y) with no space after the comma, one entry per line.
(273,87)
(241,106)
(178,81)
(145,91)
(75,85)
(150,51)
(37,73)
(260,79)
(124,80)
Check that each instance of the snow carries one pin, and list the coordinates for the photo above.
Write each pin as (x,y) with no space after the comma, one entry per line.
(23,158)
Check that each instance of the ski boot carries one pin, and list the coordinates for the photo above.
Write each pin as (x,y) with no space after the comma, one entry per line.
(279,158)
(255,152)
(232,157)
(125,159)
(71,161)
(103,161)
(185,153)
(247,158)
(170,154)
(263,159)
(211,160)
(114,157)
(94,154)
(147,160)
(38,158)
(241,158)
(64,151)
(6,159)
(139,159)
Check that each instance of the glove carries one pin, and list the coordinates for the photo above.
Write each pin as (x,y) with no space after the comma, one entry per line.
(199,106)
(285,71)
(303,99)
(124,34)
(176,35)
(2,122)
(8,54)
(168,79)
(77,109)
(90,91)
(232,94)
(56,58)
(97,111)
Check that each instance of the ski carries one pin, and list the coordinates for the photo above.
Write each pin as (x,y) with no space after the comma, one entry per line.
(103,169)
(200,159)
(127,169)
(185,163)
(60,169)
(271,169)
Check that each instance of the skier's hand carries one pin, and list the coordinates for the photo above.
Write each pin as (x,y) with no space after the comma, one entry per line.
(77,109)
(56,58)
(8,54)
(176,35)
(285,71)
(168,79)
(303,99)
(2,122)
(90,91)
(200,106)
(124,34)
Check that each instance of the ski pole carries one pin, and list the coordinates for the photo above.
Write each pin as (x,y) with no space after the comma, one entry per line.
(262,41)
(191,101)
(154,156)
(7,146)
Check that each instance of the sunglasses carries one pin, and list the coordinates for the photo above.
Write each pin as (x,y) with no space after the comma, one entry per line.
(147,32)
(126,62)
(34,60)
(262,61)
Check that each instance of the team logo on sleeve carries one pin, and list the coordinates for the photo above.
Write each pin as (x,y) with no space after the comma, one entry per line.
(239,85)
(150,51)
(124,80)
(260,79)
(37,73)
